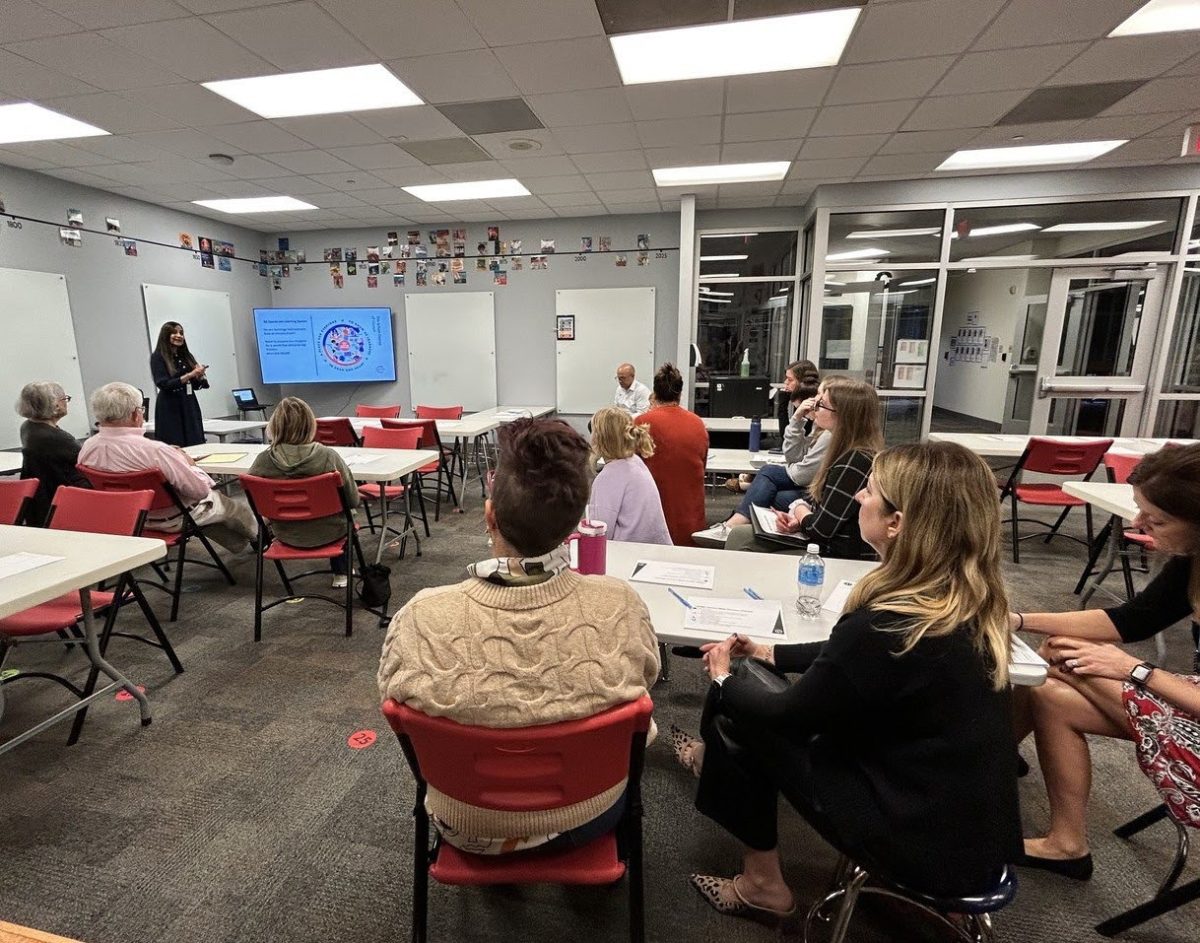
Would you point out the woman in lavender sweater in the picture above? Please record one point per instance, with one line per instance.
(624, 495)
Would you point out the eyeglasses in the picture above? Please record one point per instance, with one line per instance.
(66, 397)
(821, 404)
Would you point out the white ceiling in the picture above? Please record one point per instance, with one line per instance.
(919, 79)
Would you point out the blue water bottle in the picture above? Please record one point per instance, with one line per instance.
(755, 433)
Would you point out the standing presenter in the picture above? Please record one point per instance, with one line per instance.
(177, 376)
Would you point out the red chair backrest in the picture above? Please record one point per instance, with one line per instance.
(99, 512)
(15, 493)
(377, 412)
(375, 437)
(1120, 467)
(148, 479)
(295, 499)
(524, 768)
(1064, 457)
(337, 431)
(438, 412)
(430, 439)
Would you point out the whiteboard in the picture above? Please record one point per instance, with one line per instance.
(452, 349)
(612, 326)
(39, 344)
(208, 325)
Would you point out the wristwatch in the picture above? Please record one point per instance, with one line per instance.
(720, 680)
(1140, 674)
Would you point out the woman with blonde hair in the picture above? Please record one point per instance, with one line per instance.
(895, 742)
(624, 494)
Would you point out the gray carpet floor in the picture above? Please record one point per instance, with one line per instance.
(241, 814)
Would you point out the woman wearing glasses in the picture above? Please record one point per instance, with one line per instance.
(48, 453)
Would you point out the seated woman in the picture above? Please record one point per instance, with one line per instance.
(849, 411)
(1096, 688)
(294, 454)
(517, 643)
(895, 742)
(624, 495)
(801, 386)
(48, 453)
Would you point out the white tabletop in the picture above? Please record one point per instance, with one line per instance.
(739, 460)
(468, 427)
(722, 424)
(509, 413)
(772, 576)
(10, 462)
(998, 445)
(223, 427)
(1115, 499)
(381, 464)
(87, 559)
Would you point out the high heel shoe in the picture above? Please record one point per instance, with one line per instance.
(686, 748)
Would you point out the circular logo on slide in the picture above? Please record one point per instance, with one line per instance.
(346, 345)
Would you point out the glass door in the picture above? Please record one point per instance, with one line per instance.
(1096, 351)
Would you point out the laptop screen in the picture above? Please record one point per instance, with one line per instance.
(244, 396)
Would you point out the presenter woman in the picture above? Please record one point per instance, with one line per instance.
(177, 376)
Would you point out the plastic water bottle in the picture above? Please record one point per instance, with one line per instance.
(745, 364)
(755, 434)
(810, 579)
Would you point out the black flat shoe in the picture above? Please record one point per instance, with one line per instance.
(1077, 869)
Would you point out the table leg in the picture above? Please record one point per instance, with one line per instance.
(383, 518)
(1114, 548)
(460, 449)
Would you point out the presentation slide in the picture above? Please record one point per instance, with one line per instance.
(325, 345)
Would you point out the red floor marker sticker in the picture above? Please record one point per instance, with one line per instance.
(360, 739)
(124, 695)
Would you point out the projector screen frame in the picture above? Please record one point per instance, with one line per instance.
(350, 312)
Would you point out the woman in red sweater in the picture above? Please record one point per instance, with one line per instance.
(680, 454)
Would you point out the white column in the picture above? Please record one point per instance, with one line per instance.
(685, 324)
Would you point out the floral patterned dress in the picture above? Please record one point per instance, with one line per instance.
(1168, 750)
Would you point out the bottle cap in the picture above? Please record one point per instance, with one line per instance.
(593, 528)
(814, 548)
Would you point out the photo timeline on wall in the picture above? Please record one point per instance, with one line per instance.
(325, 345)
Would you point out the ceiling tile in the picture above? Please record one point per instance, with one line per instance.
(1050, 132)
(695, 155)
(96, 61)
(330, 130)
(409, 176)
(1157, 94)
(509, 24)
(763, 189)
(1068, 102)
(1008, 69)
(917, 29)
(386, 196)
(1031, 22)
(924, 142)
(759, 151)
(904, 164)
(854, 145)
(22, 78)
(860, 119)
(243, 189)
(299, 36)
(961, 111)
(185, 142)
(93, 15)
(250, 167)
(188, 104)
(606, 162)
(583, 198)
(374, 156)
(744, 202)
(491, 117)
(394, 31)
(119, 148)
(676, 99)
(1188, 67)
(58, 154)
(569, 212)
(628, 195)
(456, 150)
(840, 168)
(1146, 150)
(295, 184)
(190, 48)
(1129, 57)
(23, 20)
(539, 167)
(474, 170)
(561, 66)
(111, 112)
(583, 107)
(351, 182)
(418, 123)
(13, 159)
(258, 137)
(886, 81)
(333, 201)
(567, 183)
(672, 132)
(779, 91)
(620, 180)
(598, 137)
(769, 125)
(469, 75)
(310, 162)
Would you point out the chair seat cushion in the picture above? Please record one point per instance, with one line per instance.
(371, 490)
(1047, 494)
(60, 613)
(281, 551)
(986, 902)
(594, 863)
(170, 538)
(430, 469)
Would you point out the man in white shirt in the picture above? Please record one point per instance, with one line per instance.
(631, 396)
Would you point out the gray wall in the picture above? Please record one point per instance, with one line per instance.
(104, 284)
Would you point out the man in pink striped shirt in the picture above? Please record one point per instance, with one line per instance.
(122, 446)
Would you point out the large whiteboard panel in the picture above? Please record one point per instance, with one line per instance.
(208, 325)
(452, 349)
(612, 326)
(39, 344)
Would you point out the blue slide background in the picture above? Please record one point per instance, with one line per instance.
(325, 345)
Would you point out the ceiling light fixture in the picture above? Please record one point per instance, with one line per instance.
(322, 92)
(717, 301)
(720, 275)
(712, 291)
(721, 173)
(471, 190)
(1028, 155)
(1161, 16)
(727, 235)
(744, 47)
(23, 122)
(919, 281)
(1000, 258)
(999, 230)
(1104, 227)
(723, 258)
(894, 233)
(257, 204)
(856, 254)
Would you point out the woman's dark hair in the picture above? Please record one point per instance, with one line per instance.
(169, 353)
(542, 484)
(806, 372)
(1170, 480)
(668, 384)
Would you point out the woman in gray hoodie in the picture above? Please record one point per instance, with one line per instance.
(294, 454)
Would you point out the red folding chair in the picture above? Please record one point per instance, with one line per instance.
(336, 431)
(299, 499)
(367, 411)
(92, 512)
(438, 412)
(380, 438)
(431, 440)
(16, 496)
(1061, 457)
(165, 498)
(521, 770)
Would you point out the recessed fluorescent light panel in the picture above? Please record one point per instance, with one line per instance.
(323, 92)
(919, 281)
(723, 258)
(1104, 227)
(471, 190)
(999, 230)
(894, 233)
(1000, 258)
(1031, 155)
(721, 173)
(745, 47)
(720, 275)
(257, 204)
(711, 291)
(25, 121)
(727, 235)
(857, 254)
(716, 301)
(1161, 16)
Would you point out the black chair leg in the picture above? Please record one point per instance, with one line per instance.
(1094, 552)
(637, 902)
(420, 896)
(177, 592)
(258, 587)
(155, 626)
(1143, 821)
(1184, 894)
(1016, 540)
(1058, 523)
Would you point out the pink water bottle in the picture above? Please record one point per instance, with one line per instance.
(588, 545)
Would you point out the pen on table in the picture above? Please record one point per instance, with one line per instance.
(750, 592)
(680, 598)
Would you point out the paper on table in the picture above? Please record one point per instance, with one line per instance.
(1022, 654)
(221, 458)
(13, 563)
(673, 574)
(354, 460)
(837, 599)
(723, 617)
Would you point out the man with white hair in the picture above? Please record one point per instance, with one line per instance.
(121, 446)
(632, 395)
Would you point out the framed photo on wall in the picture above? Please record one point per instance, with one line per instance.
(566, 327)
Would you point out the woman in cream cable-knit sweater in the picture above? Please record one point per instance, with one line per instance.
(524, 640)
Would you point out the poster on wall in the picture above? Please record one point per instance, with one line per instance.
(566, 327)
(911, 350)
(908, 376)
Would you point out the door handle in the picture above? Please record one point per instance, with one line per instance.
(1047, 387)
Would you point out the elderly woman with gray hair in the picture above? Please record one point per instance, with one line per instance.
(48, 452)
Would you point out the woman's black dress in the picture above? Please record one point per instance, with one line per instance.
(177, 419)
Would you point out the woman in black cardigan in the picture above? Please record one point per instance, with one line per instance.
(895, 742)
(177, 376)
(48, 453)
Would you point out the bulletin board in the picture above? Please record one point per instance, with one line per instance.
(610, 326)
(39, 344)
(452, 349)
(207, 321)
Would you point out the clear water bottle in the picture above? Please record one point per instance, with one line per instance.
(810, 579)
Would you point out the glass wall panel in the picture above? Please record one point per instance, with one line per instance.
(909, 236)
(902, 419)
(1109, 229)
(1183, 369)
(1178, 419)
(1085, 417)
(748, 254)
